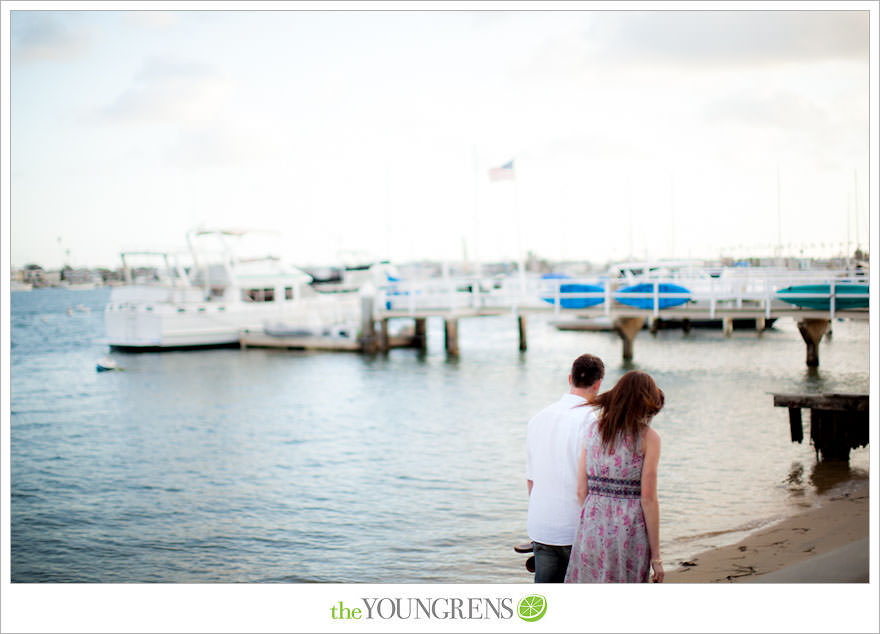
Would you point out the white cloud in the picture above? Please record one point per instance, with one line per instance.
(46, 36)
(779, 111)
(729, 38)
(169, 91)
(153, 19)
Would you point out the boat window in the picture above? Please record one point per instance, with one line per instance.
(258, 295)
(288, 292)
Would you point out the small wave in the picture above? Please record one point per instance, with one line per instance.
(742, 528)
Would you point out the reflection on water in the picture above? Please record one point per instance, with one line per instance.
(824, 476)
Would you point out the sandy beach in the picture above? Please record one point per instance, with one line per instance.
(825, 544)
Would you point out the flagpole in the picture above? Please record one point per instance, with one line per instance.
(477, 266)
(519, 245)
(504, 173)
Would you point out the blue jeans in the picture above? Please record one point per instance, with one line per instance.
(551, 562)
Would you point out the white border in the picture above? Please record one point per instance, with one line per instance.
(288, 608)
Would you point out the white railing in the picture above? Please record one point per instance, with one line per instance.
(515, 293)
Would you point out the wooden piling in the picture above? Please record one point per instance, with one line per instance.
(368, 325)
(627, 328)
(760, 324)
(384, 342)
(838, 422)
(420, 333)
(523, 344)
(451, 336)
(727, 326)
(811, 331)
(795, 424)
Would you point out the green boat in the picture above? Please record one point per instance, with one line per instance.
(846, 296)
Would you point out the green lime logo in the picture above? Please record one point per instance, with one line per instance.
(532, 608)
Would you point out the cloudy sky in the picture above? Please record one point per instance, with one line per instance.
(633, 133)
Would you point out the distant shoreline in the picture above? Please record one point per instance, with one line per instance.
(831, 531)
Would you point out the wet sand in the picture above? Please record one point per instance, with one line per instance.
(825, 544)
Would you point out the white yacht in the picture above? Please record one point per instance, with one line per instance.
(209, 300)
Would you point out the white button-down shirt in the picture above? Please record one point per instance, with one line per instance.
(554, 442)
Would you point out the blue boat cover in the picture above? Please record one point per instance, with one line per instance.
(847, 296)
(573, 302)
(647, 303)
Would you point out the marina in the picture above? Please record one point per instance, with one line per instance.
(221, 299)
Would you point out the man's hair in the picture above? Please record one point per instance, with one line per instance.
(586, 370)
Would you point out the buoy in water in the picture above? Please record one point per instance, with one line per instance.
(106, 364)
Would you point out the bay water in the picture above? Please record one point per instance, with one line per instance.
(276, 466)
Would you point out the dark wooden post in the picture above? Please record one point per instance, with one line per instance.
(523, 344)
(368, 326)
(811, 331)
(627, 328)
(796, 424)
(384, 340)
(838, 422)
(420, 335)
(451, 336)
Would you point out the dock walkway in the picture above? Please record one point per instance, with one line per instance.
(756, 297)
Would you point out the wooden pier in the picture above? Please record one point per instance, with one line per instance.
(759, 303)
(838, 422)
(454, 299)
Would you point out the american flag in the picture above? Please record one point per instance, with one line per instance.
(503, 173)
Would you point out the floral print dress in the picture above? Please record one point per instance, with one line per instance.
(611, 542)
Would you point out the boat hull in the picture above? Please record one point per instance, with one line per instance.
(149, 326)
(576, 302)
(647, 303)
(847, 296)
(737, 323)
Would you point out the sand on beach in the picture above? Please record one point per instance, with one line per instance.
(834, 536)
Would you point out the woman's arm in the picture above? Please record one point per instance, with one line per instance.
(582, 477)
(650, 504)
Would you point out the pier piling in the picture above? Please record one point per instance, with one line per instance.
(523, 344)
(627, 328)
(368, 325)
(838, 422)
(760, 325)
(384, 340)
(451, 336)
(420, 333)
(727, 326)
(812, 330)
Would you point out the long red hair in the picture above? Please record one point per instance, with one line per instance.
(627, 407)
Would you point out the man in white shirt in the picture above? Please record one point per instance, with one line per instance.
(553, 444)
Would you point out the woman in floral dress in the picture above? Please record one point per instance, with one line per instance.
(618, 538)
